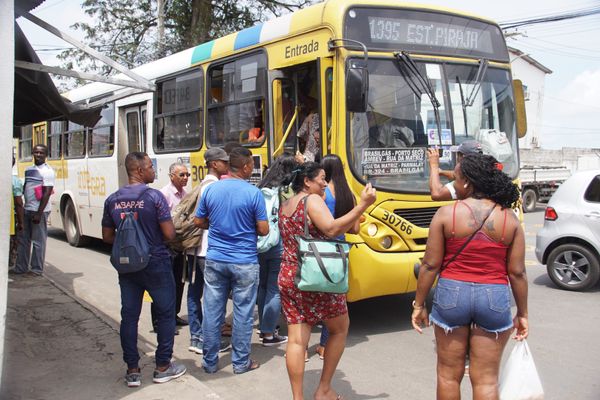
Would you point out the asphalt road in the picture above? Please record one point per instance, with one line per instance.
(384, 358)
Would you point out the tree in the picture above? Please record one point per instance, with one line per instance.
(128, 30)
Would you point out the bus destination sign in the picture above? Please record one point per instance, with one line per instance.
(425, 32)
(402, 31)
(385, 162)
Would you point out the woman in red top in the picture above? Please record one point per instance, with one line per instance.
(304, 309)
(471, 305)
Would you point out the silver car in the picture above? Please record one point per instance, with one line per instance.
(569, 242)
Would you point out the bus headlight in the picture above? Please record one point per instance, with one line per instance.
(386, 242)
(372, 230)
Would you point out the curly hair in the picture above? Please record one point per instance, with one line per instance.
(308, 170)
(488, 180)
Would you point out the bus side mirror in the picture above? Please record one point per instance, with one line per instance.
(520, 108)
(357, 88)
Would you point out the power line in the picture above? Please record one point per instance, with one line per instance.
(550, 18)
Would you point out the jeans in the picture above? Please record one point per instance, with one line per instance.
(459, 303)
(157, 279)
(219, 279)
(36, 235)
(324, 335)
(269, 303)
(194, 296)
(177, 268)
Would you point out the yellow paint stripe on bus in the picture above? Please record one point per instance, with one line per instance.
(223, 45)
(300, 18)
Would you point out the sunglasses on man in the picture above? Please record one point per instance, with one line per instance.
(183, 174)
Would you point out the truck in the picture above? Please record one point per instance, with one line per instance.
(539, 183)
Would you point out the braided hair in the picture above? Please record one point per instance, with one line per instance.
(488, 180)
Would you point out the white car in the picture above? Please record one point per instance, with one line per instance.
(569, 242)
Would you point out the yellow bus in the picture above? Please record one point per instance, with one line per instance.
(387, 79)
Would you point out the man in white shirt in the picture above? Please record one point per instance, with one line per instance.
(217, 164)
(174, 192)
(39, 182)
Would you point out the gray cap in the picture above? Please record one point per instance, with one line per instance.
(468, 147)
(215, 153)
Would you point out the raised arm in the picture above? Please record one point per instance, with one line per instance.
(439, 192)
(324, 221)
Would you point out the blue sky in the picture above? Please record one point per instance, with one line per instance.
(571, 49)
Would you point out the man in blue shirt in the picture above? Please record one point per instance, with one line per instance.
(154, 218)
(235, 212)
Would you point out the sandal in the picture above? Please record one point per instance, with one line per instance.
(320, 351)
(252, 365)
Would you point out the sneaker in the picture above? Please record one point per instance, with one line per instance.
(224, 346)
(274, 341)
(173, 372)
(195, 346)
(133, 379)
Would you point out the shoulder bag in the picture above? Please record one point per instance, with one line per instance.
(322, 263)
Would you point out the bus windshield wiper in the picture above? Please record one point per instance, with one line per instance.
(407, 63)
(464, 105)
(483, 65)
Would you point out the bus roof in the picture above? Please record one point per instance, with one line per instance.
(329, 12)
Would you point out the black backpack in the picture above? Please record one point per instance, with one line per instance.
(130, 251)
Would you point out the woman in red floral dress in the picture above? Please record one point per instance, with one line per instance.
(304, 309)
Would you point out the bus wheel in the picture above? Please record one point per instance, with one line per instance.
(529, 200)
(71, 227)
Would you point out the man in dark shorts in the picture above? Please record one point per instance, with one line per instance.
(154, 218)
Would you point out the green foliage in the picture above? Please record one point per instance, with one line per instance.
(128, 31)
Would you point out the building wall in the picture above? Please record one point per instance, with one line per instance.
(534, 79)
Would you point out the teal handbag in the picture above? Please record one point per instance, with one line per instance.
(322, 263)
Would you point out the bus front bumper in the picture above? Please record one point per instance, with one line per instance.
(374, 274)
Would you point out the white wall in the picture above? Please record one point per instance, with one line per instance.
(7, 78)
(534, 79)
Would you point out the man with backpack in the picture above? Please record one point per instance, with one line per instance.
(235, 212)
(150, 224)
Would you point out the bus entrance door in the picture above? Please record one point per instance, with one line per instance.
(133, 135)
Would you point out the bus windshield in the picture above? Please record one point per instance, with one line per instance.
(387, 143)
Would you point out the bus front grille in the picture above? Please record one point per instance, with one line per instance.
(420, 217)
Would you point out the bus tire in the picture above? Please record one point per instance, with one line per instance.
(71, 227)
(529, 200)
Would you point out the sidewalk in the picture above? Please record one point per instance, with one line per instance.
(58, 349)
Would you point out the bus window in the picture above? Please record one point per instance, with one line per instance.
(75, 141)
(39, 134)
(284, 106)
(101, 138)
(133, 131)
(236, 101)
(25, 143)
(178, 118)
(54, 140)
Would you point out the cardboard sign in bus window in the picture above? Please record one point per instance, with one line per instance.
(386, 162)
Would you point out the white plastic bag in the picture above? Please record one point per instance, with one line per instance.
(519, 379)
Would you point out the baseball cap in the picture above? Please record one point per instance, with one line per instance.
(468, 147)
(215, 153)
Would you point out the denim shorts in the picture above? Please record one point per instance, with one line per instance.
(458, 303)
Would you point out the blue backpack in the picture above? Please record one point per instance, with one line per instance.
(130, 251)
(266, 243)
